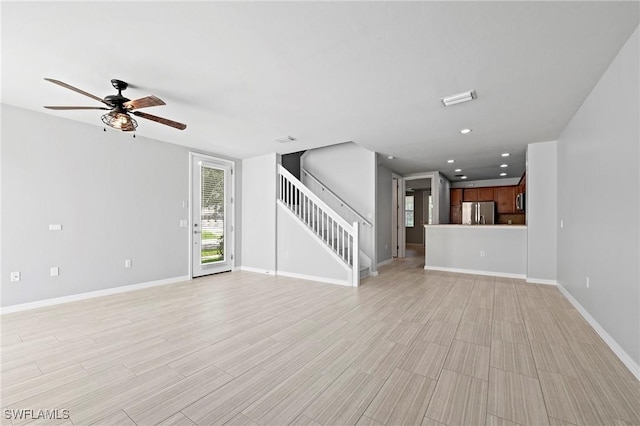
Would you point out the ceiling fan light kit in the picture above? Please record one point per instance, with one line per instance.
(121, 121)
(120, 107)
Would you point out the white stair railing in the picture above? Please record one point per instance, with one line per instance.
(340, 236)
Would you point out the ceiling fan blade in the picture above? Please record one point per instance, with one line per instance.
(75, 89)
(160, 120)
(146, 102)
(75, 107)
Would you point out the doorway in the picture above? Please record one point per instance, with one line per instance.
(212, 215)
(420, 208)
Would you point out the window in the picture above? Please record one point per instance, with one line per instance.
(409, 216)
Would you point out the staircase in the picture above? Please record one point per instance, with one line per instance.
(339, 236)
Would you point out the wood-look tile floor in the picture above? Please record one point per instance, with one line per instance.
(407, 347)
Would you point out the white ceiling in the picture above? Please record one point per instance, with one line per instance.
(241, 74)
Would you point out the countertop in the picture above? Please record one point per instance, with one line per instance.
(477, 226)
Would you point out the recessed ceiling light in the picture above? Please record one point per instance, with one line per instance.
(505, 154)
(451, 161)
(285, 139)
(465, 131)
(504, 165)
(391, 157)
(457, 170)
(459, 98)
(503, 174)
(463, 177)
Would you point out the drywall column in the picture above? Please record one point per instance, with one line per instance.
(541, 206)
(599, 204)
(259, 178)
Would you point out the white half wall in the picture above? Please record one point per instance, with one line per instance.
(542, 211)
(482, 249)
(259, 183)
(599, 202)
(301, 254)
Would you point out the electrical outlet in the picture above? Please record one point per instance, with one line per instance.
(15, 276)
(183, 223)
(55, 271)
(561, 223)
(587, 282)
(481, 253)
(127, 263)
(55, 227)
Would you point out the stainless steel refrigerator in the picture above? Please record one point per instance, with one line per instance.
(478, 213)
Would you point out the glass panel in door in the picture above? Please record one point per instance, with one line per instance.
(211, 219)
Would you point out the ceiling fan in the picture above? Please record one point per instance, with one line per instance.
(119, 107)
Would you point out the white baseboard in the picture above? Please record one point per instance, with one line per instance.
(313, 278)
(91, 294)
(385, 262)
(615, 347)
(475, 272)
(258, 270)
(541, 281)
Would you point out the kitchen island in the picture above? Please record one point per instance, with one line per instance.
(499, 250)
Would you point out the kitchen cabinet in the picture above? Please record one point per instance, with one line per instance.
(505, 197)
(478, 194)
(485, 194)
(455, 214)
(470, 194)
(456, 197)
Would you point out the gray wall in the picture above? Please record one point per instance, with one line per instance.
(542, 211)
(116, 197)
(383, 213)
(259, 178)
(599, 201)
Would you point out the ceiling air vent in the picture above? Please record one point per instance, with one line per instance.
(459, 98)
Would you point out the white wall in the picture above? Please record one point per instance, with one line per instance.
(541, 206)
(259, 178)
(301, 253)
(599, 201)
(116, 198)
(350, 172)
(384, 203)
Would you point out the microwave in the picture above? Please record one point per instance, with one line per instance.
(520, 201)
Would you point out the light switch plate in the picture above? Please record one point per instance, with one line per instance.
(55, 271)
(15, 276)
(55, 227)
(127, 263)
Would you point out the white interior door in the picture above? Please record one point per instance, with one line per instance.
(211, 216)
